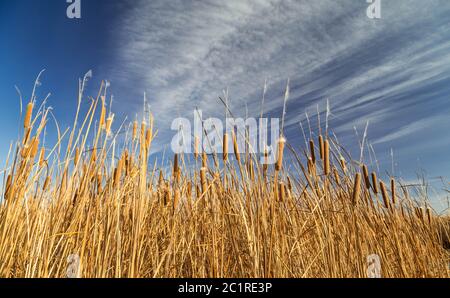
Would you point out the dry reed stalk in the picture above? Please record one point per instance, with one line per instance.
(108, 124)
(134, 132)
(99, 182)
(196, 144)
(102, 123)
(41, 157)
(8, 186)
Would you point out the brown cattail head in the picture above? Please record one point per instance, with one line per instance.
(266, 161)
(281, 144)
(235, 147)
(142, 135)
(46, 183)
(118, 172)
(160, 179)
(34, 147)
(99, 182)
(343, 164)
(94, 155)
(8, 186)
(384, 195)
(393, 192)
(204, 160)
(28, 113)
(282, 192)
(76, 159)
(148, 138)
(225, 147)
(366, 176)
(374, 183)
(429, 215)
(203, 179)
(189, 189)
(326, 160)
(176, 198)
(356, 188)
(312, 151)
(176, 169)
(321, 147)
(311, 167)
(336, 176)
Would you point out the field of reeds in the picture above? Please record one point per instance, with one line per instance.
(91, 206)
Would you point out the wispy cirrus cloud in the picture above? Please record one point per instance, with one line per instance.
(393, 72)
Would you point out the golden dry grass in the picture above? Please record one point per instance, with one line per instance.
(125, 217)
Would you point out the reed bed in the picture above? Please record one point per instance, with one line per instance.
(94, 197)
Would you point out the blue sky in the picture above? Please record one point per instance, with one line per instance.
(393, 72)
